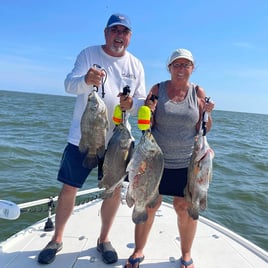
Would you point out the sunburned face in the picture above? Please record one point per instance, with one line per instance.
(181, 69)
(117, 40)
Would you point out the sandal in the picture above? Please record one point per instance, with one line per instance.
(108, 252)
(48, 254)
(132, 261)
(186, 263)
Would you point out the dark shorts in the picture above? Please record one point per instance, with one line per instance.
(72, 172)
(173, 182)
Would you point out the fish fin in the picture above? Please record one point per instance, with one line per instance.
(130, 153)
(187, 194)
(82, 147)
(203, 203)
(193, 212)
(153, 202)
(140, 216)
(101, 152)
(90, 162)
(129, 200)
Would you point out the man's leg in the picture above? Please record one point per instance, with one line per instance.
(64, 209)
(108, 211)
(109, 208)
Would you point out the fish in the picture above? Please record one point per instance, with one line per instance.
(145, 171)
(199, 176)
(118, 154)
(94, 126)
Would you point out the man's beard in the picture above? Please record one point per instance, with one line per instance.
(117, 50)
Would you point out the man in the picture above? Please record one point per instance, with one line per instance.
(121, 69)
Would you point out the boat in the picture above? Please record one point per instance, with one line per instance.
(214, 245)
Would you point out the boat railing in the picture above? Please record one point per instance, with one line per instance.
(93, 193)
(54, 199)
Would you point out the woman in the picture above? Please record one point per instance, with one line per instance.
(177, 114)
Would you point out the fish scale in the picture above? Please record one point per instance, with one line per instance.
(199, 176)
(119, 151)
(94, 126)
(145, 170)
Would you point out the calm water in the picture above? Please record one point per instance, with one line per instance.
(33, 132)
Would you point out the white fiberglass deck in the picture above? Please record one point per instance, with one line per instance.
(213, 246)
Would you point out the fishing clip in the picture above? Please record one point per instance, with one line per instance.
(205, 118)
(103, 79)
(126, 91)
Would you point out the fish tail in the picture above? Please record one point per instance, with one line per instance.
(139, 216)
(100, 184)
(193, 212)
(107, 194)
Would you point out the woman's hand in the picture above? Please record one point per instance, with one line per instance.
(209, 106)
(151, 101)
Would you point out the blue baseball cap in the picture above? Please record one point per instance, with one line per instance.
(119, 19)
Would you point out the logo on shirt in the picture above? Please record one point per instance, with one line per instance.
(128, 75)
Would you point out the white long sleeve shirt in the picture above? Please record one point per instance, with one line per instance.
(121, 71)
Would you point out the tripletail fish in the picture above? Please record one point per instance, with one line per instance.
(94, 126)
(118, 154)
(199, 176)
(144, 173)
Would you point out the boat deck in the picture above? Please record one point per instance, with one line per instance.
(213, 245)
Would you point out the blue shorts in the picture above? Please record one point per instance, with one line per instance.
(72, 172)
(173, 182)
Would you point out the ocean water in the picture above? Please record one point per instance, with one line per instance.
(33, 134)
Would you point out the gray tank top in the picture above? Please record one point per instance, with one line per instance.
(175, 126)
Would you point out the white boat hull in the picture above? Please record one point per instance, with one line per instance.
(214, 246)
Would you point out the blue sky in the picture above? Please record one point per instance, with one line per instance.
(39, 42)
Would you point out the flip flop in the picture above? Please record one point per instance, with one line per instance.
(132, 261)
(186, 263)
